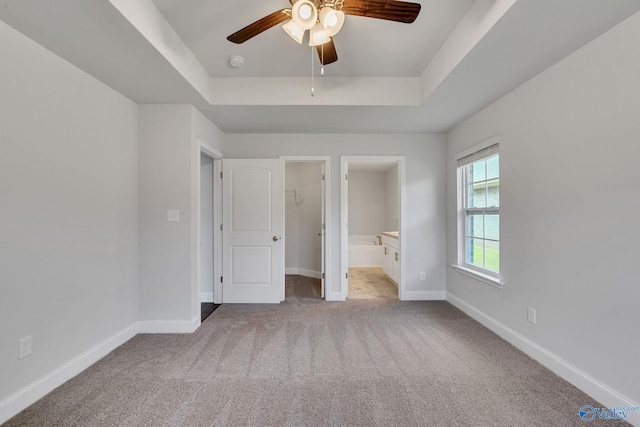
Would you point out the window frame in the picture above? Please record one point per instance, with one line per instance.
(465, 160)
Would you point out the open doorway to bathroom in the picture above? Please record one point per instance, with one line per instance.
(372, 216)
(304, 230)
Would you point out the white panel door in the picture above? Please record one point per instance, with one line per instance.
(253, 217)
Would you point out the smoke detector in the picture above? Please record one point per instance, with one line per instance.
(236, 61)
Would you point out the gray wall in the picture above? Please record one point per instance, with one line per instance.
(425, 204)
(68, 216)
(392, 207)
(367, 202)
(303, 220)
(165, 183)
(569, 205)
(168, 159)
(292, 217)
(310, 217)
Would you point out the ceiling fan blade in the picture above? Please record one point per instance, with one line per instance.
(259, 26)
(391, 10)
(327, 52)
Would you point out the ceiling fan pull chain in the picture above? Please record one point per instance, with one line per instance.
(313, 90)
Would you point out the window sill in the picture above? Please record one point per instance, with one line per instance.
(484, 278)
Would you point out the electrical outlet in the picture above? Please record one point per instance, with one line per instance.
(423, 276)
(24, 347)
(531, 315)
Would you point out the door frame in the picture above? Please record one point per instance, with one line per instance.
(344, 217)
(209, 151)
(326, 162)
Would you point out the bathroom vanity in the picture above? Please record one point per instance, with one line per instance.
(391, 260)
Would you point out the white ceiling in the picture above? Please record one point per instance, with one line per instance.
(365, 46)
(459, 56)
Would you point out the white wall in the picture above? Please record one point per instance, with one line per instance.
(425, 240)
(169, 155)
(392, 200)
(206, 229)
(569, 153)
(367, 202)
(68, 216)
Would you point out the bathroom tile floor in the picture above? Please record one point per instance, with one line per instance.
(370, 283)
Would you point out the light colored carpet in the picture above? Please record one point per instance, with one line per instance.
(370, 283)
(307, 362)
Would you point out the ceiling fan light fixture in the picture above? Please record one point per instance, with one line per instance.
(304, 14)
(318, 35)
(294, 31)
(331, 20)
(305, 11)
(328, 17)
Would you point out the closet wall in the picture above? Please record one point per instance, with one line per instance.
(303, 218)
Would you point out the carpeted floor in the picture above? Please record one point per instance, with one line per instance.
(307, 362)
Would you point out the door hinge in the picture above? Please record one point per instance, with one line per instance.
(346, 275)
(322, 276)
(323, 177)
(220, 227)
(220, 279)
(220, 175)
(346, 177)
(322, 226)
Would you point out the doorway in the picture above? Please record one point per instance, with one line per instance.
(206, 229)
(306, 228)
(252, 230)
(208, 239)
(372, 227)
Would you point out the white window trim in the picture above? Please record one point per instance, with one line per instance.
(482, 275)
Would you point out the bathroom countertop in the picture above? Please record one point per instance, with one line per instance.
(393, 234)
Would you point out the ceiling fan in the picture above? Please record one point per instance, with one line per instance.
(324, 19)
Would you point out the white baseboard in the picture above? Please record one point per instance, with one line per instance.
(303, 272)
(309, 273)
(206, 297)
(424, 296)
(585, 382)
(169, 327)
(20, 400)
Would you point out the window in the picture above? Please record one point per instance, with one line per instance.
(479, 209)
(482, 214)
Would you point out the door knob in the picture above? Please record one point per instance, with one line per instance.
(276, 238)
